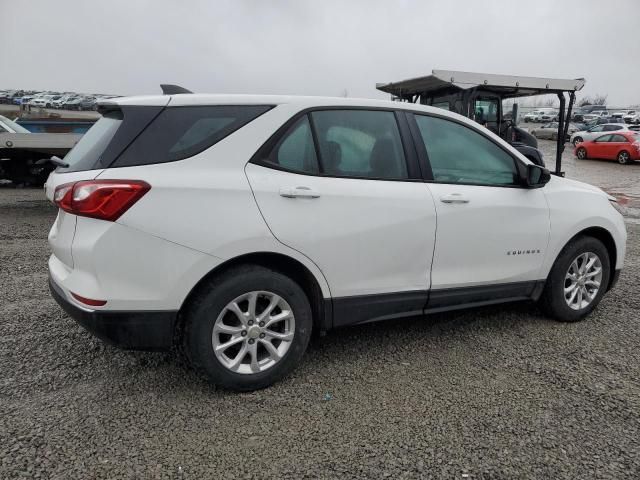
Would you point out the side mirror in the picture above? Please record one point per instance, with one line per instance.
(537, 176)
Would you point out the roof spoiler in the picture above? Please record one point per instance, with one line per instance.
(168, 89)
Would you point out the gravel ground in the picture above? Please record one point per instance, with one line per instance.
(494, 393)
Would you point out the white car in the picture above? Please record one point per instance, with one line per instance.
(596, 131)
(235, 226)
(41, 102)
(632, 118)
(533, 116)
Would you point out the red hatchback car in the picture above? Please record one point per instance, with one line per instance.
(621, 146)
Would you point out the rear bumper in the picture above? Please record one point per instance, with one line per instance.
(135, 330)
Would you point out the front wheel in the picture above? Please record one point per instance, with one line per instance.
(577, 281)
(624, 158)
(581, 153)
(248, 328)
(577, 140)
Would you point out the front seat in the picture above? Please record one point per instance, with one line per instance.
(381, 162)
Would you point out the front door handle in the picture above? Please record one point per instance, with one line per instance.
(454, 198)
(298, 192)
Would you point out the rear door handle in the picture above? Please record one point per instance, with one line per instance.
(298, 192)
(454, 198)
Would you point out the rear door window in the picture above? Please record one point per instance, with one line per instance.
(618, 139)
(360, 143)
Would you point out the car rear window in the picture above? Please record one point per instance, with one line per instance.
(85, 155)
(181, 132)
(142, 135)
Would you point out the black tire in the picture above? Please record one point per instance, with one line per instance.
(552, 300)
(581, 153)
(214, 296)
(577, 140)
(624, 158)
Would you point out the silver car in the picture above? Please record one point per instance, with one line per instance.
(597, 130)
(550, 131)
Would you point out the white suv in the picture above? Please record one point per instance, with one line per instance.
(234, 226)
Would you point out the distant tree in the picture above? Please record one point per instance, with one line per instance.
(548, 102)
(585, 101)
(596, 100)
(600, 99)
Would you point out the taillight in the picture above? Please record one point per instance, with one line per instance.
(102, 199)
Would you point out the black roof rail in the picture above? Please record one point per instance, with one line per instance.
(168, 89)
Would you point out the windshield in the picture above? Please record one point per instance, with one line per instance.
(13, 125)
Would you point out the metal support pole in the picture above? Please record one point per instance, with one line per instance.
(561, 137)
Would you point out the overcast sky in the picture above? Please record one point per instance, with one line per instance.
(319, 47)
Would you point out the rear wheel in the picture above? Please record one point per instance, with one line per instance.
(581, 153)
(577, 140)
(248, 328)
(624, 158)
(577, 281)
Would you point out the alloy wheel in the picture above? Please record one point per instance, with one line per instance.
(576, 141)
(582, 280)
(623, 158)
(581, 153)
(253, 332)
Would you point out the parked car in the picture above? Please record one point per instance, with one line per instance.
(60, 102)
(87, 103)
(623, 147)
(550, 131)
(632, 117)
(74, 103)
(596, 131)
(592, 108)
(44, 101)
(532, 116)
(22, 100)
(549, 116)
(237, 225)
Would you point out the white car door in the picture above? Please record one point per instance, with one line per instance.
(492, 233)
(341, 187)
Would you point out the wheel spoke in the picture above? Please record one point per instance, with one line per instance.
(285, 337)
(233, 307)
(273, 351)
(223, 346)
(590, 263)
(251, 311)
(579, 300)
(593, 272)
(594, 283)
(267, 311)
(284, 315)
(570, 288)
(253, 351)
(573, 296)
(574, 267)
(223, 328)
(237, 361)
